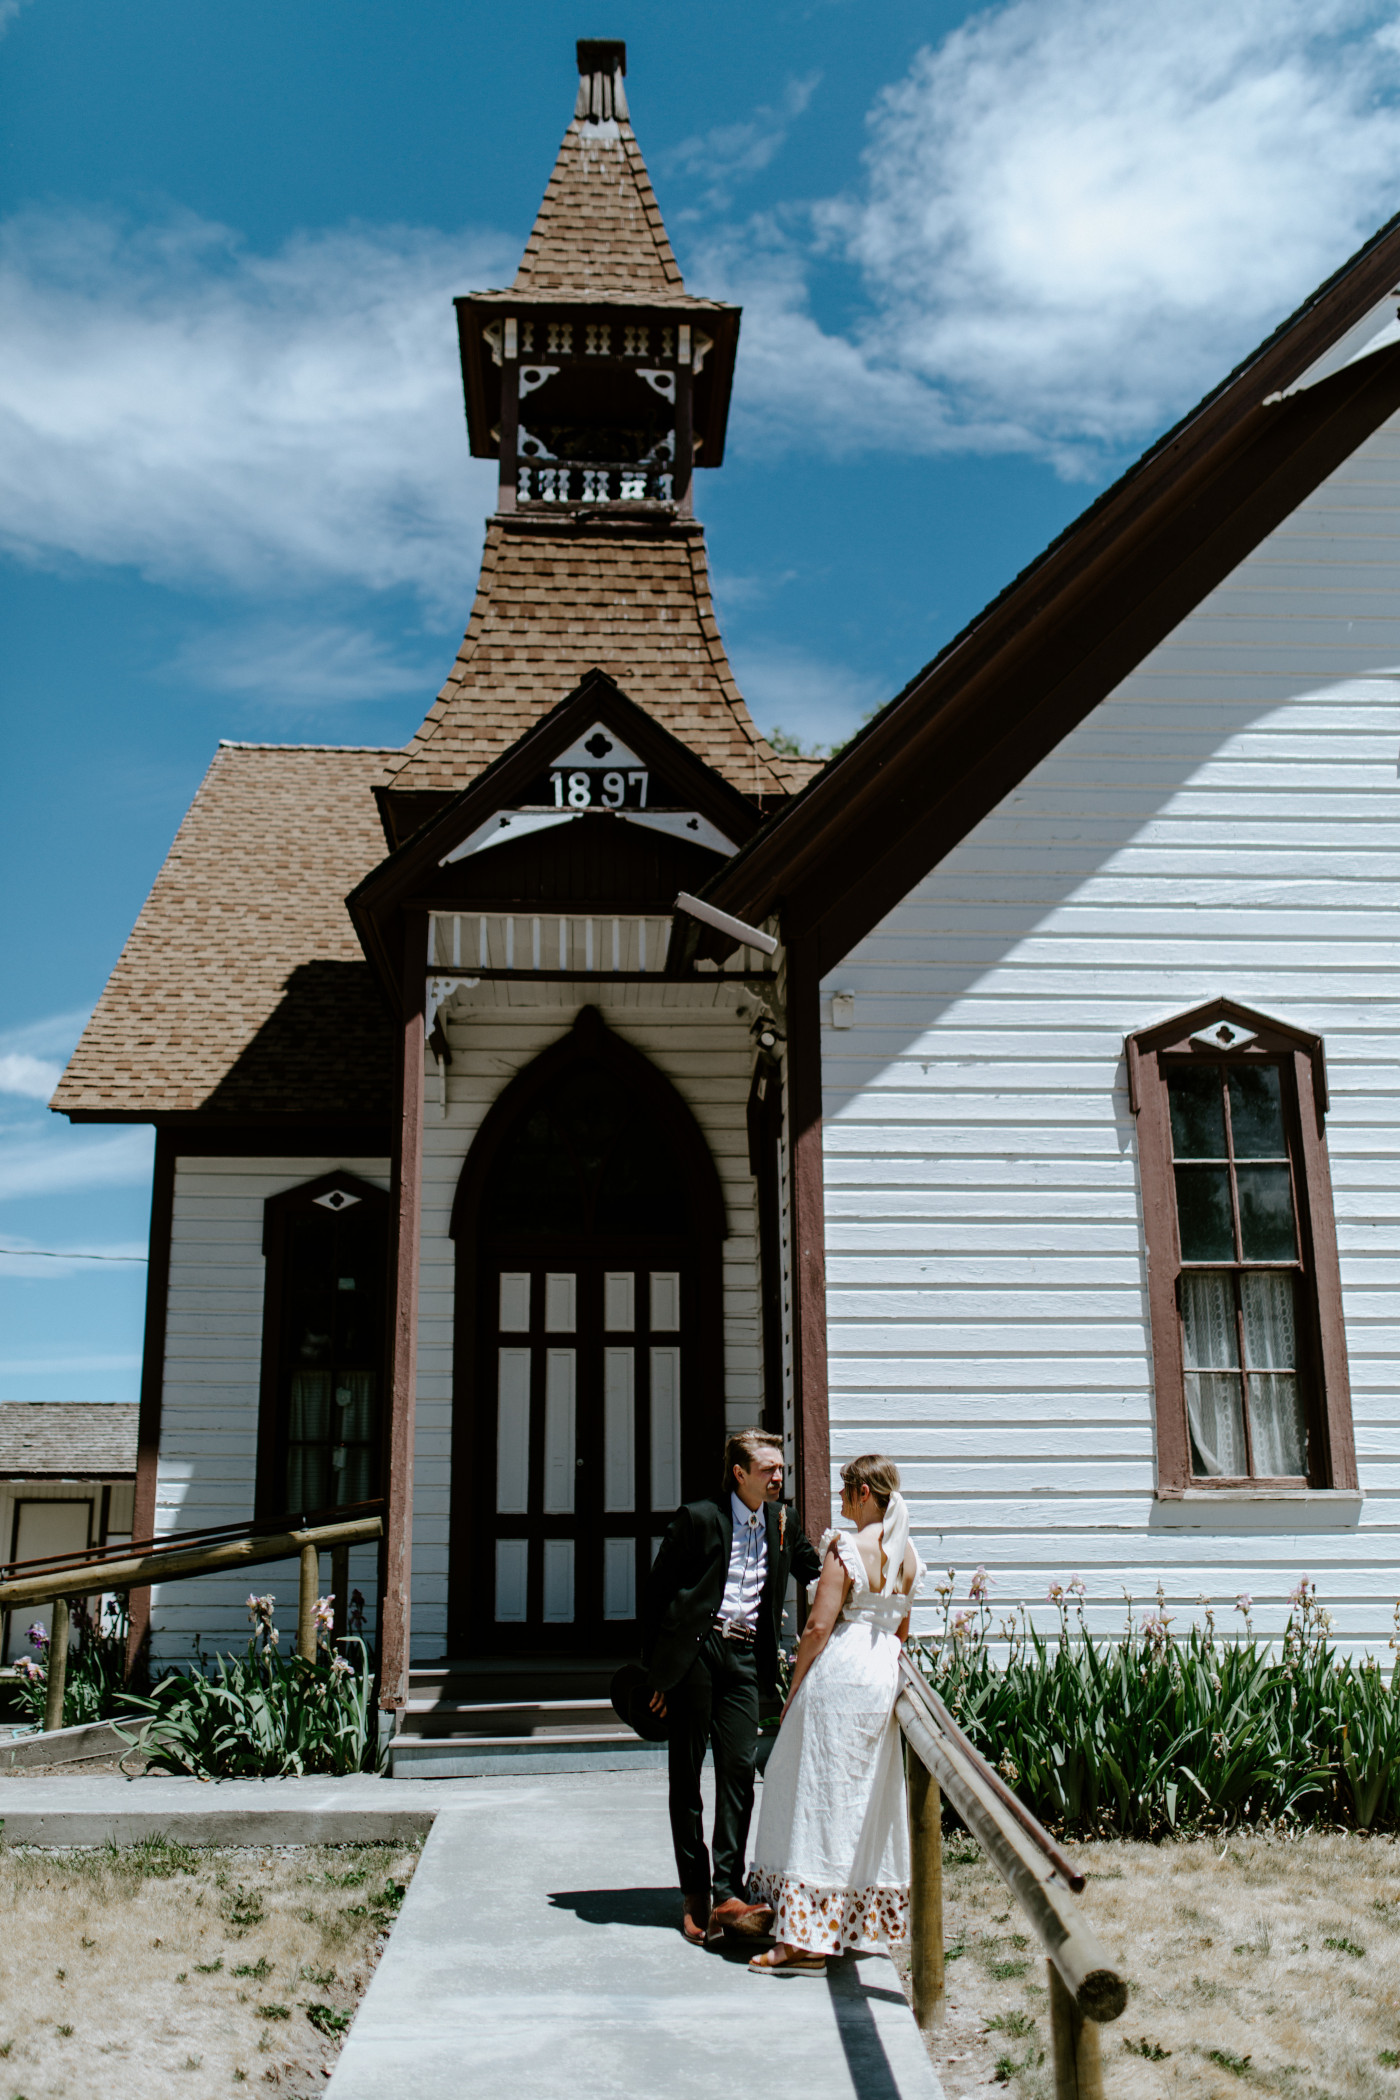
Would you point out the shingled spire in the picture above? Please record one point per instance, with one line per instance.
(599, 383)
(598, 232)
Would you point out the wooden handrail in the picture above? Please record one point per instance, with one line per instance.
(84, 1578)
(203, 1535)
(90, 1579)
(1086, 1988)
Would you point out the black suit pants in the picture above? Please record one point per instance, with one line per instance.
(716, 1702)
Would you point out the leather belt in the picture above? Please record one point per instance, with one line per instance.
(735, 1630)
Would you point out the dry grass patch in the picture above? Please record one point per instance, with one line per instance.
(1257, 1964)
(180, 1971)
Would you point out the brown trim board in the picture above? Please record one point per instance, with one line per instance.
(811, 1419)
(143, 1519)
(406, 1197)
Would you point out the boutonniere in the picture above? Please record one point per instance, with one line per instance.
(782, 1525)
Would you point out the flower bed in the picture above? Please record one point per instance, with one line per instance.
(1151, 1732)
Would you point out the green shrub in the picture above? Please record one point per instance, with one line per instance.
(1153, 1732)
(94, 1688)
(263, 1715)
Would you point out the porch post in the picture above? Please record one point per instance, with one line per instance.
(403, 1381)
(809, 1239)
(143, 1516)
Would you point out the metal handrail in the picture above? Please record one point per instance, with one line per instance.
(1086, 1988)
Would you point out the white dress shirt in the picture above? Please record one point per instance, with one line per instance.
(748, 1564)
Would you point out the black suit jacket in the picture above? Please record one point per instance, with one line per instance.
(687, 1587)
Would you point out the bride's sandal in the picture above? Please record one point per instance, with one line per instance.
(786, 1961)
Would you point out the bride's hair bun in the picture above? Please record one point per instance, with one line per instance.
(880, 1475)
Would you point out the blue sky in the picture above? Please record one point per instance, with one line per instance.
(985, 254)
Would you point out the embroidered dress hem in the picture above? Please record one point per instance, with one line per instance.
(832, 1920)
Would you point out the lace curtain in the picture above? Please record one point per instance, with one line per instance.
(1215, 1389)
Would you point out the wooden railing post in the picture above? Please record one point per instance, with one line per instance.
(340, 1589)
(58, 1665)
(925, 1894)
(306, 1602)
(1074, 2045)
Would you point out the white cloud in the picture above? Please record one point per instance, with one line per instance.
(170, 400)
(1077, 215)
(729, 154)
(53, 1035)
(64, 1159)
(320, 664)
(808, 696)
(20, 1073)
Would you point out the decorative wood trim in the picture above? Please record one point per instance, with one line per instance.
(1332, 1448)
(589, 1040)
(1319, 1223)
(804, 1073)
(405, 1230)
(765, 1128)
(143, 1518)
(270, 1498)
(376, 902)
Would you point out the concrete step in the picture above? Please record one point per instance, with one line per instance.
(518, 1717)
(476, 1756)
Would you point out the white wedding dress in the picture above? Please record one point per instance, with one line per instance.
(832, 1851)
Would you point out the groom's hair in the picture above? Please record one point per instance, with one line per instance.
(743, 1448)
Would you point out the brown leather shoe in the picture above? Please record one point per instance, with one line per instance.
(695, 1917)
(752, 1921)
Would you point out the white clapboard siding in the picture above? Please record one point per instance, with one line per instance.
(1227, 822)
(213, 1368)
(698, 1041)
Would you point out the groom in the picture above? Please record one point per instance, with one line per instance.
(710, 1624)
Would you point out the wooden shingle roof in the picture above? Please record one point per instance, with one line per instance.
(598, 233)
(559, 598)
(67, 1439)
(242, 989)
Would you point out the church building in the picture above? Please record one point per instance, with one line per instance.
(1013, 1093)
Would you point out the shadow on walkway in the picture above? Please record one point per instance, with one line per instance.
(872, 2073)
(656, 1908)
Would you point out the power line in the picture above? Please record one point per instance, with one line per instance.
(58, 1254)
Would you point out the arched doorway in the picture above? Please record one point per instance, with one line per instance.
(589, 1375)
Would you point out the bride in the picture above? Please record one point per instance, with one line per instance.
(832, 1853)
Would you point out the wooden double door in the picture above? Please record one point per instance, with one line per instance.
(589, 1358)
(588, 1355)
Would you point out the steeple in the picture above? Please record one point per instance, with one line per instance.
(596, 378)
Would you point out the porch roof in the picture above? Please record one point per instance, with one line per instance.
(67, 1439)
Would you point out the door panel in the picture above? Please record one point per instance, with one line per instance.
(583, 1438)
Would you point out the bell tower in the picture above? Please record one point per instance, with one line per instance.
(596, 379)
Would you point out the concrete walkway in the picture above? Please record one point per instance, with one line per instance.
(537, 1958)
(105, 1809)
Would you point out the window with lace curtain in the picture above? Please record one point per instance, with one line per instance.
(323, 1346)
(1248, 1346)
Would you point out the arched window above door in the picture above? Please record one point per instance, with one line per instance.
(592, 1157)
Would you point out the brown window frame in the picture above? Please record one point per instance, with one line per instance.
(1235, 1034)
(270, 1494)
